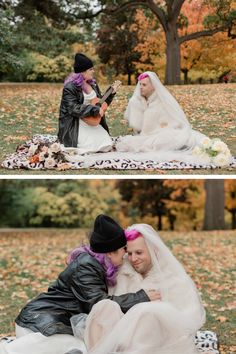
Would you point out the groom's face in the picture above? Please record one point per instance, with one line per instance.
(139, 256)
(146, 87)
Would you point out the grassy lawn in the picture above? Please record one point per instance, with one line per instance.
(28, 109)
(31, 259)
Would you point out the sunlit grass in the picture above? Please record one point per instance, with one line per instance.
(31, 260)
(28, 109)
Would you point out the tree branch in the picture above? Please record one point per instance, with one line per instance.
(124, 6)
(158, 12)
(176, 7)
(111, 10)
(85, 15)
(206, 33)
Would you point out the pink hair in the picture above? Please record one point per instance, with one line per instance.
(131, 235)
(142, 76)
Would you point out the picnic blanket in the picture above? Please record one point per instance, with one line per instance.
(44, 152)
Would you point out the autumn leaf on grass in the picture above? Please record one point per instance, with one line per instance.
(63, 166)
(50, 129)
(221, 319)
(231, 305)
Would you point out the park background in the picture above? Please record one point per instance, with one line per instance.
(42, 220)
(190, 44)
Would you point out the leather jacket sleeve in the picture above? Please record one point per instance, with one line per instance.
(89, 286)
(76, 108)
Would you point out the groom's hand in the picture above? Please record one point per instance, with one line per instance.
(153, 295)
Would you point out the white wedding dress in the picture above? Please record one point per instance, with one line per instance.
(92, 138)
(164, 131)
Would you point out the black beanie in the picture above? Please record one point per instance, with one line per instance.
(107, 235)
(82, 63)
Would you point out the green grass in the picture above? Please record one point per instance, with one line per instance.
(28, 109)
(30, 260)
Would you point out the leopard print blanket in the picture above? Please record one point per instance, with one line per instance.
(33, 155)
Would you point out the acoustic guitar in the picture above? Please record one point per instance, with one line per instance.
(93, 121)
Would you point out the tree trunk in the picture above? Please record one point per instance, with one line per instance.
(185, 71)
(129, 78)
(172, 219)
(172, 74)
(214, 205)
(159, 224)
(233, 212)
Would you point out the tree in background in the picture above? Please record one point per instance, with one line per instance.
(202, 57)
(50, 203)
(42, 43)
(186, 202)
(221, 18)
(116, 44)
(151, 43)
(147, 198)
(165, 204)
(53, 27)
(9, 59)
(169, 14)
(230, 200)
(214, 205)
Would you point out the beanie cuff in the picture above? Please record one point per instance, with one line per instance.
(108, 245)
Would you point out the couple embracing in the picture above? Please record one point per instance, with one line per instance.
(161, 130)
(133, 293)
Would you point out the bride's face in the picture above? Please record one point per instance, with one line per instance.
(146, 87)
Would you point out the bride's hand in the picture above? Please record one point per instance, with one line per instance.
(101, 112)
(116, 85)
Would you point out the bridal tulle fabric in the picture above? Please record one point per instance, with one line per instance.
(164, 131)
(158, 327)
(160, 121)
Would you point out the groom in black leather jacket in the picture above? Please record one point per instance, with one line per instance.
(72, 108)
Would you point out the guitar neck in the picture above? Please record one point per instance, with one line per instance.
(104, 97)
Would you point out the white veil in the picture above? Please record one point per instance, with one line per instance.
(136, 105)
(164, 131)
(159, 327)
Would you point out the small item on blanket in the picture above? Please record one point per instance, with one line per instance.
(71, 154)
(213, 151)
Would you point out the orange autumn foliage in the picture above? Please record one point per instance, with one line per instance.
(201, 57)
(151, 44)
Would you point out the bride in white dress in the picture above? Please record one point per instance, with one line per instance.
(161, 126)
(92, 138)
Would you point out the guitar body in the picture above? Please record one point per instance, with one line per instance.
(93, 121)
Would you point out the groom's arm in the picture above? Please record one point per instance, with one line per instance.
(126, 301)
(89, 286)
